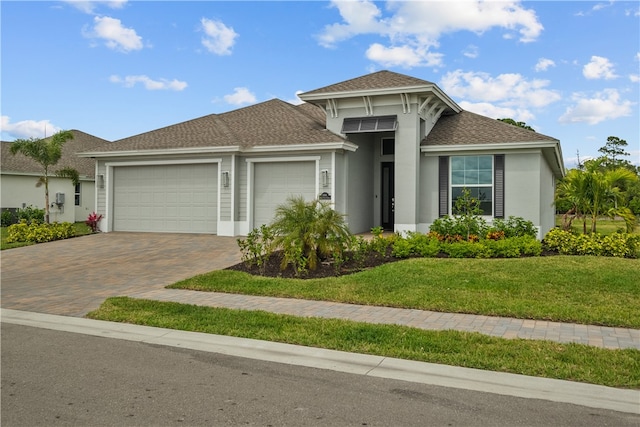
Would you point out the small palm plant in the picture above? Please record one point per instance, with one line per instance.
(309, 232)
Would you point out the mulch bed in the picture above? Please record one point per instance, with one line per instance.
(325, 268)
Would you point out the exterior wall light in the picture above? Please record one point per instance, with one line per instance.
(225, 179)
(325, 177)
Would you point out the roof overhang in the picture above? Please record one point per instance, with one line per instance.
(550, 149)
(232, 149)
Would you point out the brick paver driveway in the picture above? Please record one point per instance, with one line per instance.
(72, 277)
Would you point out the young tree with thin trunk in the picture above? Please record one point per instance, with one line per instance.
(46, 152)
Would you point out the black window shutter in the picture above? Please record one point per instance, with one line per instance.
(443, 185)
(498, 185)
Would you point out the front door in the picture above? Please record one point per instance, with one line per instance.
(387, 199)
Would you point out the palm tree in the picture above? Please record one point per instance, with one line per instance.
(308, 232)
(594, 191)
(47, 152)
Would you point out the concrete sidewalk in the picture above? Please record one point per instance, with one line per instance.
(588, 395)
(503, 327)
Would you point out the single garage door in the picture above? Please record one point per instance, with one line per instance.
(166, 198)
(275, 182)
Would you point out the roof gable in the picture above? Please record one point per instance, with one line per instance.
(379, 80)
(469, 128)
(81, 142)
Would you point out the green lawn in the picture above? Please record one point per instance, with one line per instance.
(604, 226)
(579, 289)
(615, 368)
(80, 227)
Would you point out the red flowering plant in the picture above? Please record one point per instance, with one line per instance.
(92, 221)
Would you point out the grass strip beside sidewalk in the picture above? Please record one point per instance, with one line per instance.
(576, 289)
(574, 362)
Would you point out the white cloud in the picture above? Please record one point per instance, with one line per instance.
(544, 64)
(635, 78)
(471, 51)
(219, 38)
(508, 90)
(149, 84)
(414, 28)
(403, 56)
(296, 100)
(240, 96)
(115, 36)
(599, 68)
(90, 6)
(27, 128)
(605, 105)
(497, 112)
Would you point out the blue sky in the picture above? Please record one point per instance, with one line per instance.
(115, 69)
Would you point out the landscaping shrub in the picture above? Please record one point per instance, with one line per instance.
(513, 247)
(93, 220)
(7, 218)
(621, 245)
(306, 232)
(257, 247)
(514, 227)
(31, 213)
(466, 249)
(37, 232)
(416, 244)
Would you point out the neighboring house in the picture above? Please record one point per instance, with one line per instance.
(19, 180)
(385, 149)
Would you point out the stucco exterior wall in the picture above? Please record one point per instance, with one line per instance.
(20, 190)
(87, 200)
(428, 198)
(359, 194)
(528, 189)
(522, 185)
(547, 195)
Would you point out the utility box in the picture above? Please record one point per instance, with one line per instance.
(59, 198)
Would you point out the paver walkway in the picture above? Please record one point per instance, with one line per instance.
(599, 336)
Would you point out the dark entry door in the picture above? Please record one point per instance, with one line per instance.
(388, 198)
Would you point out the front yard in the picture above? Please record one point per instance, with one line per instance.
(580, 289)
(80, 228)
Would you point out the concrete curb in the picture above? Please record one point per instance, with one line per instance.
(589, 395)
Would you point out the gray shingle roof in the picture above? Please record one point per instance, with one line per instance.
(273, 122)
(379, 80)
(470, 128)
(81, 142)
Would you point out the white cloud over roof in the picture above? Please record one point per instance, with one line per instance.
(148, 83)
(543, 64)
(240, 96)
(415, 27)
(90, 6)
(604, 105)
(599, 68)
(28, 128)
(219, 38)
(114, 34)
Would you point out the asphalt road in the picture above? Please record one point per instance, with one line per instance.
(60, 378)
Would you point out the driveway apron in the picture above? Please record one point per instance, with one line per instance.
(72, 277)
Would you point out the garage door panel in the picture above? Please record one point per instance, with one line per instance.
(165, 198)
(275, 182)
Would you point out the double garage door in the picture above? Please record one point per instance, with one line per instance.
(179, 198)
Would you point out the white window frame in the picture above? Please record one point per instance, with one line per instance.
(492, 185)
